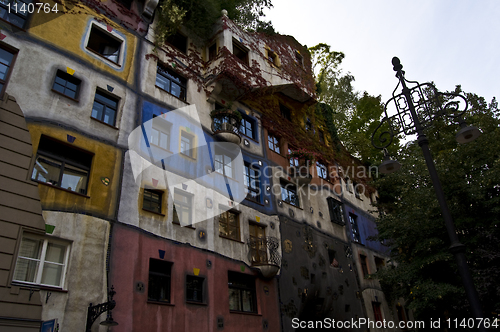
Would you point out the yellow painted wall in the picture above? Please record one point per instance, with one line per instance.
(106, 162)
(67, 31)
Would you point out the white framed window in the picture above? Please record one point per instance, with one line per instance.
(42, 261)
(223, 163)
(103, 43)
(186, 143)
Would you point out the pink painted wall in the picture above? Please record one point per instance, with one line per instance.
(129, 264)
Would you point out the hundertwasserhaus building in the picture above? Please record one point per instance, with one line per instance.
(94, 219)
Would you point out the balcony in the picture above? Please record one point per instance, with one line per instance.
(264, 255)
(301, 174)
(226, 124)
(301, 161)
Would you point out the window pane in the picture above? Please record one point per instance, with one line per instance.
(55, 253)
(47, 170)
(248, 301)
(234, 300)
(97, 110)
(154, 136)
(109, 116)
(164, 141)
(26, 270)
(6, 57)
(162, 82)
(74, 179)
(51, 274)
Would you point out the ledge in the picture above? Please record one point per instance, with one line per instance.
(245, 313)
(154, 212)
(39, 287)
(197, 303)
(104, 123)
(62, 94)
(168, 304)
(63, 189)
(228, 238)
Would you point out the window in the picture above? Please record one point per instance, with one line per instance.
(309, 125)
(377, 312)
(364, 265)
(354, 227)
(171, 82)
(17, 13)
(240, 52)
(152, 200)
(62, 166)
(348, 185)
(104, 44)
(252, 182)
(7, 58)
(247, 126)
(159, 280)
(229, 225)
(242, 294)
(258, 245)
(289, 193)
(285, 112)
(294, 162)
(321, 136)
(179, 41)
(104, 108)
(125, 3)
(335, 208)
(223, 163)
(322, 170)
(160, 133)
(356, 190)
(379, 263)
(194, 289)
(273, 143)
(298, 58)
(66, 84)
(272, 57)
(212, 51)
(182, 208)
(187, 144)
(41, 261)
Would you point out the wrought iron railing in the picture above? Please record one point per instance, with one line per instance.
(226, 122)
(264, 251)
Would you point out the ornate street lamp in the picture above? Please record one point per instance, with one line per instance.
(95, 311)
(417, 106)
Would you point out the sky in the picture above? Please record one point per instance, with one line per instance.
(449, 42)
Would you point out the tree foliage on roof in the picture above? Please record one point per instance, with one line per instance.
(426, 273)
(199, 16)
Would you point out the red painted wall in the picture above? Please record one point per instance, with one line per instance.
(129, 264)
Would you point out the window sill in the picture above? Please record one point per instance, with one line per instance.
(187, 157)
(104, 123)
(279, 154)
(154, 212)
(183, 100)
(228, 238)
(39, 287)
(250, 138)
(252, 201)
(179, 224)
(63, 189)
(197, 303)
(244, 313)
(159, 147)
(62, 94)
(295, 206)
(161, 303)
(103, 57)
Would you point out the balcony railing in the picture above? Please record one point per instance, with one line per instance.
(226, 124)
(264, 255)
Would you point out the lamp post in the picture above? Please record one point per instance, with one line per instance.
(417, 106)
(94, 311)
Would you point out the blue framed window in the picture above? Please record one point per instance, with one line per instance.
(171, 82)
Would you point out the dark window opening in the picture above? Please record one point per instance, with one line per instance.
(377, 312)
(242, 293)
(152, 200)
(272, 57)
(321, 137)
(212, 51)
(178, 41)
(171, 82)
(285, 112)
(66, 84)
(298, 58)
(105, 107)
(159, 280)
(364, 265)
(379, 263)
(62, 166)
(104, 44)
(182, 208)
(240, 52)
(335, 208)
(309, 125)
(331, 256)
(194, 289)
(125, 3)
(322, 170)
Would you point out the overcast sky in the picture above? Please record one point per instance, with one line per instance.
(449, 42)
